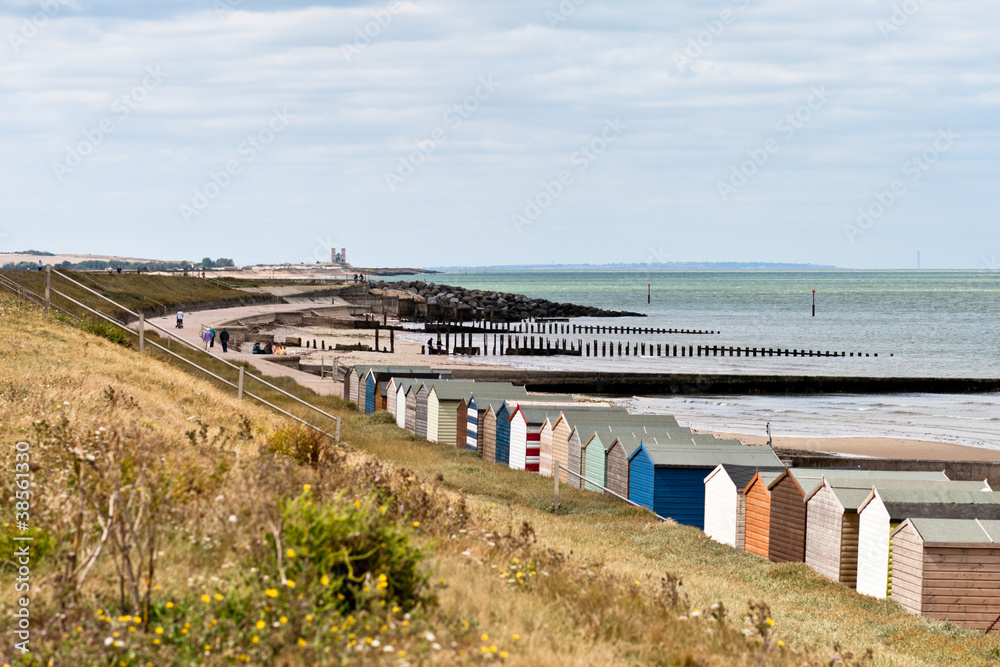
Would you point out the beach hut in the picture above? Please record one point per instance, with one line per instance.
(370, 376)
(406, 403)
(598, 453)
(560, 418)
(831, 543)
(884, 509)
(568, 442)
(949, 569)
(501, 434)
(486, 396)
(725, 502)
(616, 464)
(670, 479)
(757, 525)
(487, 436)
(444, 406)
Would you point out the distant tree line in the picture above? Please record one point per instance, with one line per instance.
(100, 265)
(209, 263)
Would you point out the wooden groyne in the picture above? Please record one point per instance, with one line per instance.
(662, 384)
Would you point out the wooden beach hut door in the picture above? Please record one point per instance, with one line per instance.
(472, 426)
(720, 507)
(503, 435)
(787, 540)
(758, 517)
(421, 411)
(594, 466)
(518, 439)
(462, 426)
(616, 469)
(640, 479)
(401, 407)
(371, 389)
(487, 437)
(411, 409)
(873, 549)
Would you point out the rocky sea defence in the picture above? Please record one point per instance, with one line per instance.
(504, 305)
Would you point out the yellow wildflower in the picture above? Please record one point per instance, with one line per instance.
(255, 639)
(290, 553)
(302, 642)
(205, 598)
(325, 580)
(260, 625)
(290, 583)
(271, 593)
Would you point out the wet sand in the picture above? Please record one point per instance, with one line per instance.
(890, 448)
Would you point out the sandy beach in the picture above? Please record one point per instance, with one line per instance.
(408, 353)
(895, 448)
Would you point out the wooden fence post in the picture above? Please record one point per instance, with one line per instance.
(239, 389)
(142, 332)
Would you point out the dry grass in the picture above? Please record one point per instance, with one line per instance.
(599, 580)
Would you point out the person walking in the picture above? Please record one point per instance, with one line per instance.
(211, 330)
(207, 337)
(224, 339)
(180, 319)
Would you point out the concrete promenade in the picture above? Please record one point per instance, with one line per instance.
(196, 321)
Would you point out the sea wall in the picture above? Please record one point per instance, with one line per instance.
(666, 384)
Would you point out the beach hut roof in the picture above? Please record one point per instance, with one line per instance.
(953, 532)
(709, 456)
(852, 493)
(458, 389)
(537, 414)
(362, 370)
(936, 503)
(741, 474)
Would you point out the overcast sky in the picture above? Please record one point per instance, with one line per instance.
(854, 133)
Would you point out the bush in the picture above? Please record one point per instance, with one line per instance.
(305, 445)
(360, 557)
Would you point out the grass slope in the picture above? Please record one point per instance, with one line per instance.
(153, 294)
(599, 583)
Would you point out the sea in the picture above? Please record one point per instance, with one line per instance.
(919, 323)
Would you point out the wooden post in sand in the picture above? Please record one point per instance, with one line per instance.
(392, 341)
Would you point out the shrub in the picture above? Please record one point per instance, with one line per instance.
(305, 445)
(360, 557)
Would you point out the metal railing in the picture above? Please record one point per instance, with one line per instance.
(555, 504)
(170, 336)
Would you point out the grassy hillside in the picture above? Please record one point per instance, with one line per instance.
(175, 525)
(153, 294)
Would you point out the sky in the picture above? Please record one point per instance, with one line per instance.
(444, 133)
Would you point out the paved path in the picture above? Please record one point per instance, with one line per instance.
(196, 321)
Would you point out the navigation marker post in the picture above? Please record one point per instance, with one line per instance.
(814, 303)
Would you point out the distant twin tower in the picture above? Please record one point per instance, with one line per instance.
(338, 257)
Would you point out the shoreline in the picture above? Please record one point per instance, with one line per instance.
(874, 447)
(408, 353)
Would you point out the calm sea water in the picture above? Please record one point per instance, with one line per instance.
(932, 323)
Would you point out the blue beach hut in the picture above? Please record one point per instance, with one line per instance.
(503, 434)
(670, 479)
